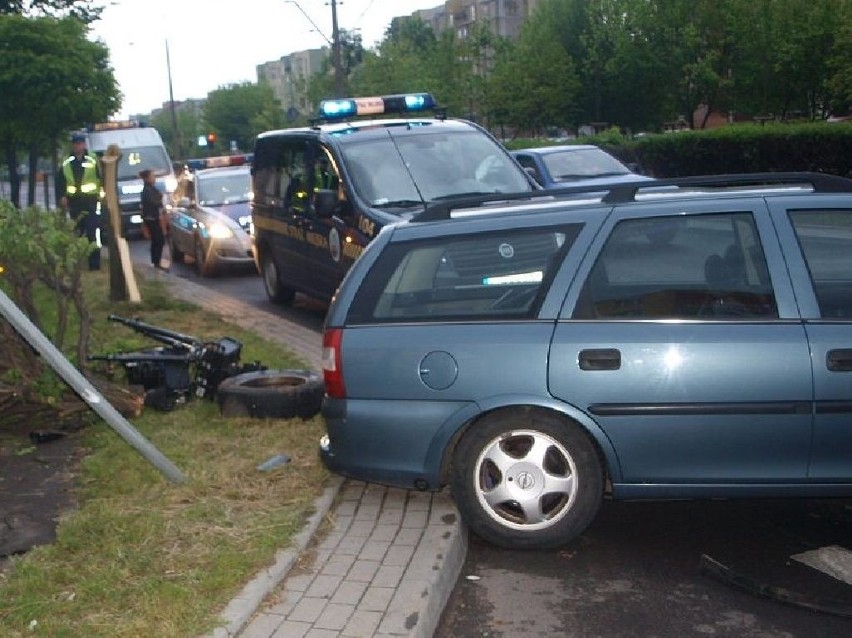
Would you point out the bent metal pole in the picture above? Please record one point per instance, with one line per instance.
(85, 389)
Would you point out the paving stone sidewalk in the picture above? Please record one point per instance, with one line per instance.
(371, 561)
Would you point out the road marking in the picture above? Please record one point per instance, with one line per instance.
(833, 560)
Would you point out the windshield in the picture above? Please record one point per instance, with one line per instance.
(140, 158)
(411, 169)
(230, 188)
(582, 163)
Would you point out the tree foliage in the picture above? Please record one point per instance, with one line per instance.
(635, 64)
(190, 126)
(86, 11)
(53, 80)
(238, 112)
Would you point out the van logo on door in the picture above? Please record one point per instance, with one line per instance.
(507, 251)
(334, 244)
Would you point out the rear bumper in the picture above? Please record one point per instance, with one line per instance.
(395, 443)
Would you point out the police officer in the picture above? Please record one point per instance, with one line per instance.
(79, 187)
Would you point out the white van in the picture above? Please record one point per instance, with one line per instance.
(141, 148)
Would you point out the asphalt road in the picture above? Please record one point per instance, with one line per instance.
(244, 284)
(637, 571)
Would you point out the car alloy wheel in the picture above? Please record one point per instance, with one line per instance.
(534, 481)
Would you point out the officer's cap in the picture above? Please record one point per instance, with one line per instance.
(78, 137)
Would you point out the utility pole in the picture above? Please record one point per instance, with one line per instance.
(335, 46)
(178, 141)
(336, 60)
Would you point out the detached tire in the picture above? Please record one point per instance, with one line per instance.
(265, 394)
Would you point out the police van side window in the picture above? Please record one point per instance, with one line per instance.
(294, 177)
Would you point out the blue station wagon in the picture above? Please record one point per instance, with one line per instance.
(536, 353)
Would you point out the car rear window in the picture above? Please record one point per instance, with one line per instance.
(498, 275)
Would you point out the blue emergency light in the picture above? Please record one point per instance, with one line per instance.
(379, 105)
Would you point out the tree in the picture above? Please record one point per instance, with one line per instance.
(84, 10)
(239, 112)
(840, 64)
(190, 127)
(400, 63)
(534, 84)
(54, 80)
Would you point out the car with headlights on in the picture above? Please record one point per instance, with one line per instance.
(574, 165)
(211, 221)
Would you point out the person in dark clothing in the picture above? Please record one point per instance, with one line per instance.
(79, 187)
(152, 207)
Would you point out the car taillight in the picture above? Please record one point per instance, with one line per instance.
(332, 364)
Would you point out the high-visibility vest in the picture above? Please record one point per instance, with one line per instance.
(89, 184)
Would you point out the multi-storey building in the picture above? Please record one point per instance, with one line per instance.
(504, 17)
(288, 77)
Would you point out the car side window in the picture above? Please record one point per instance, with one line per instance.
(498, 275)
(683, 267)
(823, 237)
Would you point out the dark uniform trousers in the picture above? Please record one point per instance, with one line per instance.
(84, 211)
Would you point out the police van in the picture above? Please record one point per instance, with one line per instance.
(322, 192)
(141, 148)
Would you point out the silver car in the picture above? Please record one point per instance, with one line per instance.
(211, 221)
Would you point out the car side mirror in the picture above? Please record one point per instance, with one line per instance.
(325, 203)
(529, 170)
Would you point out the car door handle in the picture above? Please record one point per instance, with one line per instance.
(600, 359)
(839, 360)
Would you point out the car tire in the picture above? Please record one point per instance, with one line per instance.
(281, 394)
(175, 253)
(526, 478)
(203, 265)
(275, 290)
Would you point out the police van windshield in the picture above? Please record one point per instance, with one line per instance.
(140, 158)
(407, 170)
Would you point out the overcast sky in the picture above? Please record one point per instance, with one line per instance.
(213, 43)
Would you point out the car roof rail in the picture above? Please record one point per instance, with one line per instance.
(819, 183)
(626, 192)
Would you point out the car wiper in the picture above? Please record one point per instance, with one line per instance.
(399, 203)
(592, 176)
(466, 194)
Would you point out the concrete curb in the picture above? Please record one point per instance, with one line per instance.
(361, 515)
(242, 607)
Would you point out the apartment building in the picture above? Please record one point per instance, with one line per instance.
(288, 76)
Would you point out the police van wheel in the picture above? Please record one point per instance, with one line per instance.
(276, 292)
(265, 394)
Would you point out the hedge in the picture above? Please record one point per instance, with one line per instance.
(742, 148)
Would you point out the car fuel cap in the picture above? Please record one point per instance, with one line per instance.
(438, 370)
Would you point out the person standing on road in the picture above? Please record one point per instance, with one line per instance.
(152, 210)
(79, 187)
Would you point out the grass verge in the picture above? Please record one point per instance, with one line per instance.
(140, 556)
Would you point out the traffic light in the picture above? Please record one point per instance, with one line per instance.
(211, 140)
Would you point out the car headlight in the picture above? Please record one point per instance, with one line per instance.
(170, 184)
(217, 230)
